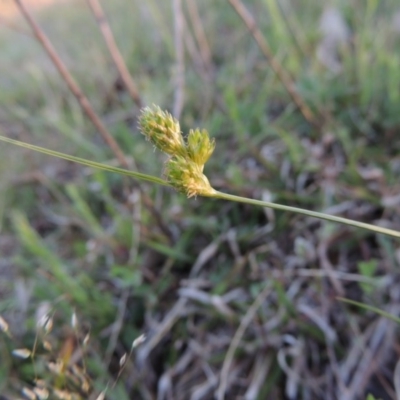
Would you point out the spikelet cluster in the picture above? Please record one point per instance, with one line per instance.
(184, 168)
(162, 129)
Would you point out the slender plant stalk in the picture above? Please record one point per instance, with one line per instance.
(88, 163)
(115, 52)
(200, 34)
(283, 76)
(315, 214)
(86, 105)
(370, 308)
(213, 193)
(72, 84)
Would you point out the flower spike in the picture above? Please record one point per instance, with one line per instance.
(184, 169)
(162, 129)
(187, 177)
(199, 146)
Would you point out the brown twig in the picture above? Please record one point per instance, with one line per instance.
(204, 70)
(73, 86)
(191, 47)
(114, 51)
(180, 58)
(200, 33)
(275, 65)
(87, 108)
(130, 86)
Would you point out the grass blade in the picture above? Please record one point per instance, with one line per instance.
(88, 163)
(315, 214)
(370, 308)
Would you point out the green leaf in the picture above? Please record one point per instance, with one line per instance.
(367, 269)
(371, 397)
(35, 245)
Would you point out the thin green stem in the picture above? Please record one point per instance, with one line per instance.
(88, 163)
(214, 194)
(370, 308)
(281, 207)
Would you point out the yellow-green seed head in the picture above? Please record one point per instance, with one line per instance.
(199, 146)
(184, 170)
(187, 177)
(162, 129)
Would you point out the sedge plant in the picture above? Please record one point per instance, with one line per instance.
(184, 168)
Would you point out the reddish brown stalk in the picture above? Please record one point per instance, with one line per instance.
(87, 108)
(73, 86)
(200, 33)
(114, 52)
(275, 65)
(195, 54)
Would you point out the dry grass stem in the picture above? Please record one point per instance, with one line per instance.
(117, 325)
(275, 65)
(72, 85)
(260, 372)
(396, 379)
(87, 108)
(371, 357)
(119, 61)
(313, 315)
(206, 255)
(249, 316)
(164, 327)
(328, 267)
(195, 55)
(199, 31)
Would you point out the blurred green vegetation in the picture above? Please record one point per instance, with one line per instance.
(85, 241)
